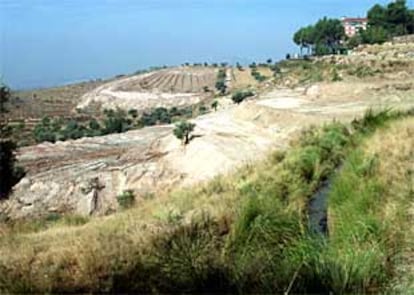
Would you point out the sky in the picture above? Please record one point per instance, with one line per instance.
(46, 43)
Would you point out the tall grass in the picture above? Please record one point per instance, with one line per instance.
(355, 259)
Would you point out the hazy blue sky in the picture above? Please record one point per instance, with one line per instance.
(49, 42)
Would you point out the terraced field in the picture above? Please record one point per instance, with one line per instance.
(52, 102)
(181, 86)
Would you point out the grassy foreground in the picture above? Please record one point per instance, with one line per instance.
(246, 232)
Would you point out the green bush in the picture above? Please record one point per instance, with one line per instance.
(259, 77)
(221, 81)
(335, 76)
(116, 121)
(133, 113)
(202, 109)
(214, 105)
(126, 199)
(239, 96)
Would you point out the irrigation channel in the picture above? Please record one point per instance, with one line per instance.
(318, 209)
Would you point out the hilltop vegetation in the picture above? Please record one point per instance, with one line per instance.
(327, 36)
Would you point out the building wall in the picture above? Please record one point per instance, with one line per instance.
(352, 26)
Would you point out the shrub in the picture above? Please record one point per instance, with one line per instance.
(259, 77)
(126, 199)
(238, 97)
(214, 105)
(202, 109)
(73, 130)
(133, 113)
(221, 86)
(335, 76)
(221, 74)
(116, 122)
(158, 116)
(221, 81)
(44, 130)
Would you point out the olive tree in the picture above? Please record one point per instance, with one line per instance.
(183, 131)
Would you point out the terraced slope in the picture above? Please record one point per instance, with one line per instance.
(177, 87)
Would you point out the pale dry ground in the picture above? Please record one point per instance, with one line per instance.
(86, 175)
(173, 87)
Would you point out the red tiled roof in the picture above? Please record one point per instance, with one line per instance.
(355, 19)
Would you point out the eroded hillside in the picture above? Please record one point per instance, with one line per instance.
(84, 176)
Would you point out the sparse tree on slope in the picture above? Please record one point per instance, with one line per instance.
(214, 105)
(183, 131)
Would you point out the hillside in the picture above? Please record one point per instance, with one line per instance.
(238, 207)
(216, 233)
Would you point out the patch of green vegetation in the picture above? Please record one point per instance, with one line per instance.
(356, 257)
(126, 199)
(214, 105)
(164, 116)
(114, 121)
(202, 109)
(240, 96)
(361, 71)
(45, 222)
(183, 130)
(221, 81)
(258, 76)
(308, 71)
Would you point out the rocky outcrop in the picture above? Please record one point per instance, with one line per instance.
(85, 176)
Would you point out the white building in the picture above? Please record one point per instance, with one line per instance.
(353, 25)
